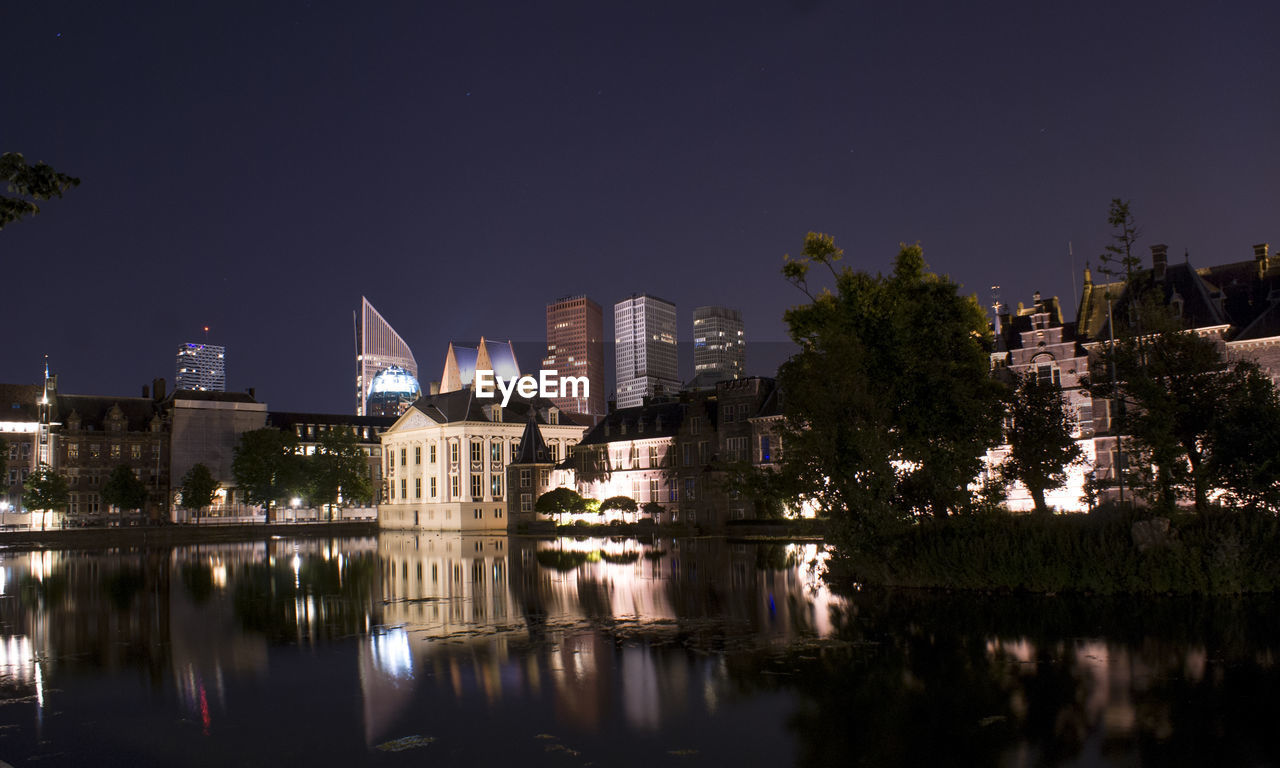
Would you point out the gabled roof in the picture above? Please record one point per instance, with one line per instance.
(642, 422)
(94, 409)
(19, 402)
(463, 405)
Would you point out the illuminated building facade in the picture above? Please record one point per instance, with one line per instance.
(378, 347)
(391, 393)
(202, 367)
(575, 347)
(644, 330)
(718, 344)
(445, 460)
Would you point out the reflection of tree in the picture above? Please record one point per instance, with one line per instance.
(561, 560)
(936, 679)
(323, 597)
(197, 578)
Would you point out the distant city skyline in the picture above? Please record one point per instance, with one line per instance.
(645, 352)
(575, 347)
(378, 347)
(201, 367)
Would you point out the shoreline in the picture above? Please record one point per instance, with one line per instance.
(172, 535)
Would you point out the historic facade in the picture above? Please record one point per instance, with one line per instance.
(445, 460)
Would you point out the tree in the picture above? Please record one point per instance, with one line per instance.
(1041, 447)
(198, 488)
(1244, 443)
(889, 401)
(620, 503)
(1118, 259)
(267, 467)
(124, 490)
(45, 491)
(338, 470)
(560, 501)
(26, 184)
(1176, 389)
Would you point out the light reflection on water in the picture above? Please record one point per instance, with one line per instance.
(617, 650)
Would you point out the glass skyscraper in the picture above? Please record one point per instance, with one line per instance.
(378, 347)
(644, 332)
(202, 366)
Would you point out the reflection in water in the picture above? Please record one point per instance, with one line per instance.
(488, 648)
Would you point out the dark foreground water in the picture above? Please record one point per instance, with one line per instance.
(476, 651)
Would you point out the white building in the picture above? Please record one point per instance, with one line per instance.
(445, 460)
(644, 330)
(202, 367)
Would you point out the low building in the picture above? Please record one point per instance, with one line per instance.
(309, 427)
(445, 460)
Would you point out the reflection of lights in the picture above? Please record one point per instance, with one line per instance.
(220, 575)
(391, 653)
(296, 562)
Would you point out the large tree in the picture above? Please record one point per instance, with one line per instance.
(267, 467)
(198, 488)
(45, 491)
(124, 490)
(26, 184)
(338, 470)
(1041, 447)
(889, 402)
(560, 501)
(1244, 441)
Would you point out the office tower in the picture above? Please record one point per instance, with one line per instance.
(575, 347)
(378, 347)
(644, 331)
(718, 346)
(202, 366)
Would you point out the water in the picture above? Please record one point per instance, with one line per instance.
(480, 650)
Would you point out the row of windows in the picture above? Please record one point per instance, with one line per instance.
(114, 451)
(496, 453)
(477, 487)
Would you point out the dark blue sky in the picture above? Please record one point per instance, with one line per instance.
(256, 167)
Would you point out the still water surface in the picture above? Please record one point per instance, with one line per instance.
(486, 650)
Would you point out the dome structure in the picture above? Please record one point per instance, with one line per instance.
(392, 391)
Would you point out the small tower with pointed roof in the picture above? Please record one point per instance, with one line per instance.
(528, 474)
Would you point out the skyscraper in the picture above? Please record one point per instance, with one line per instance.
(644, 331)
(718, 345)
(575, 347)
(202, 366)
(378, 347)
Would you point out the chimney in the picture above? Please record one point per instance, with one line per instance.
(157, 389)
(146, 392)
(1159, 260)
(1260, 256)
(251, 394)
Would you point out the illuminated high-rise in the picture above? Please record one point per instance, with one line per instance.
(575, 347)
(378, 347)
(644, 331)
(718, 349)
(201, 367)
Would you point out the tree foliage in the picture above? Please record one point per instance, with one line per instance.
(620, 503)
(560, 501)
(45, 490)
(889, 401)
(198, 488)
(124, 490)
(1183, 401)
(267, 467)
(338, 470)
(1118, 259)
(1244, 441)
(1041, 447)
(26, 184)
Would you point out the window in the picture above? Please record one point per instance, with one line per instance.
(115, 450)
(737, 448)
(689, 485)
(653, 489)
(526, 477)
(553, 450)
(526, 502)
(453, 486)
(635, 456)
(686, 451)
(417, 487)
(453, 452)
(73, 451)
(431, 453)
(495, 451)
(704, 452)
(404, 457)
(417, 454)
(695, 425)
(495, 487)
(544, 478)
(1048, 373)
(742, 411)
(477, 486)
(765, 455)
(727, 412)
(135, 451)
(433, 487)
(477, 514)
(404, 487)
(673, 491)
(653, 456)
(477, 451)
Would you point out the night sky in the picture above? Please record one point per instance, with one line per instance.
(257, 167)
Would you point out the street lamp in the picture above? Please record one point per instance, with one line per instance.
(294, 502)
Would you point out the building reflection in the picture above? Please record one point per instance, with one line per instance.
(600, 627)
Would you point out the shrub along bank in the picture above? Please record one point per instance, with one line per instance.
(1106, 552)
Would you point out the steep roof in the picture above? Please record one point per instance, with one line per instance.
(532, 449)
(463, 405)
(94, 409)
(19, 402)
(639, 423)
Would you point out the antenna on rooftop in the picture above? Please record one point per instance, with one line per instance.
(995, 308)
